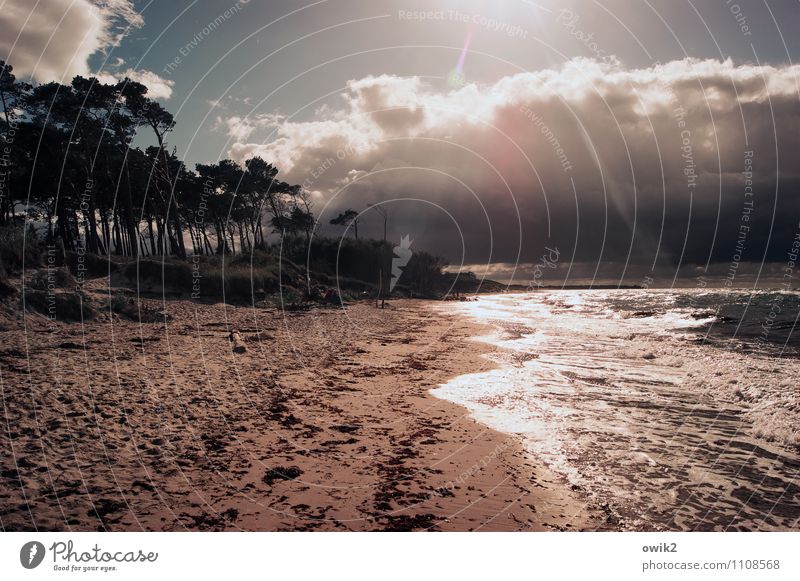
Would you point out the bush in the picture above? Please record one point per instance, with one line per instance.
(130, 309)
(352, 266)
(238, 284)
(53, 278)
(257, 258)
(245, 283)
(62, 306)
(119, 304)
(90, 265)
(203, 277)
(18, 248)
(166, 274)
(270, 281)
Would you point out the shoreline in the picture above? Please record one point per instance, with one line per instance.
(325, 423)
(646, 419)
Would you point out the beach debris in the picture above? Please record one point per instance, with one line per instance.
(238, 341)
(281, 473)
(416, 364)
(406, 523)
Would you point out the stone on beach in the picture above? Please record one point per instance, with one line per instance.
(238, 342)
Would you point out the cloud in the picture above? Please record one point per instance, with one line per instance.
(682, 162)
(240, 128)
(53, 39)
(157, 87)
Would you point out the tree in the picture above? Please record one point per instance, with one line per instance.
(262, 183)
(347, 218)
(384, 268)
(74, 168)
(12, 94)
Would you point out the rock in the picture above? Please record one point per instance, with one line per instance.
(238, 342)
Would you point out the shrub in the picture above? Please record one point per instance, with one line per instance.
(119, 304)
(18, 247)
(270, 281)
(257, 258)
(53, 278)
(245, 283)
(61, 306)
(90, 265)
(167, 274)
(203, 277)
(130, 309)
(239, 285)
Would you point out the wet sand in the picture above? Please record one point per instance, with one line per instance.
(324, 423)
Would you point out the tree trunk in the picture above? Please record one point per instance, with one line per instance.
(207, 242)
(152, 236)
(116, 235)
(179, 235)
(130, 223)
(160, 237)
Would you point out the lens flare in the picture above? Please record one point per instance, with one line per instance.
(456, 76)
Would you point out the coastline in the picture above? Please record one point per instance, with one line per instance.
(325, 423)
(641, 409)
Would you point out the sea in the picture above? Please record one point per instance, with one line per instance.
(663, 409)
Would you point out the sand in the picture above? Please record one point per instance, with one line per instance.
(325, 422)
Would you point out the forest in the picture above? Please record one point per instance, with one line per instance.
(72, 177)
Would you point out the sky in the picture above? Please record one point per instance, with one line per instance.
(613, 140)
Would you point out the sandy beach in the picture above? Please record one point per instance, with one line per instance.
(324, 423)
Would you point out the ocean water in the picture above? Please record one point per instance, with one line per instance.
(667, 409)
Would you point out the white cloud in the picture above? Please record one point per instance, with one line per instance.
(240, 128)
(157, 87)
(53, 39)
(380, 108)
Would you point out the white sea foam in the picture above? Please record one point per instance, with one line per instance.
(628, 397)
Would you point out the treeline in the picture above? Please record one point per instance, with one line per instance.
(69, 166)
(69, 162)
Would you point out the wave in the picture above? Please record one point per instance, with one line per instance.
(632, 394)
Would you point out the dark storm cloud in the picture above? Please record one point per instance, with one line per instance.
(684, 162)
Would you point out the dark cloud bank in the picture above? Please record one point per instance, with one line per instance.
(631, 172)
